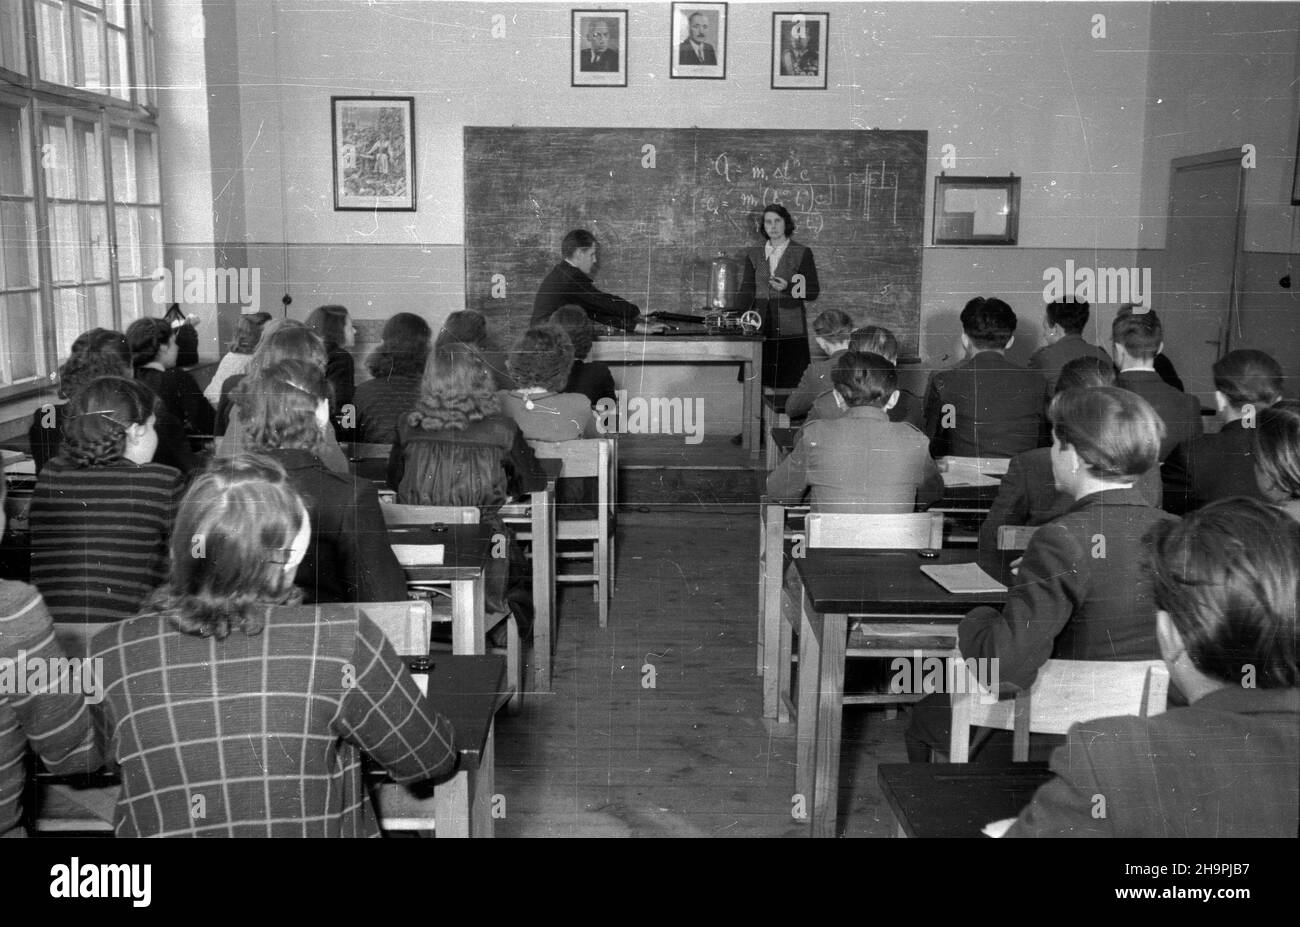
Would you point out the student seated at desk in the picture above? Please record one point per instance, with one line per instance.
(1227, 764)
(591, 378)
(540, 366)
(218, 689)
(1209, 467)
(872, 339)
(54, 721)
(457, 448)
(153, 355)
(1028, 494)
(1277, 455)
(986, 406)
(97, 353)
(469, 328)
(238, 354)
(102, 509)
(860, 462)
(349, 558)
(333, 325)
(1063, 324)
(396, 366)
(1079, 594)
(831, 330)
(1139, 338)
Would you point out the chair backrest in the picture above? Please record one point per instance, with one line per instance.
(1065, 693)
(405, 624)
(360, 450)
(397, 514)
(902, 530)
(586, 457)
(1015, 537)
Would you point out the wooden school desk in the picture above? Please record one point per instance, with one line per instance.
(703, 347)
(889, 594)
(468, 691)
(957, 799)
(465, 555)
(541, 521)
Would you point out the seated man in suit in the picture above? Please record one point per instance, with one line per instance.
(1209, 467)
(986, 406)
(872, 339)
(860, 462)
(569, 282)
(1139, 338)
(1079, 593)
(1063, 330)
(1227, 764)
(831, 329)
(695, 50)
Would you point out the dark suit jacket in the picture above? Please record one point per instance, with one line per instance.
(349, 559)
(1180, 412)
(909, 407)
(1050, 358)
(686, 54)
(782, 312)
(608, 60)
(1209, 467)
(816, 380)
(593, 380)
(1225, 766)
(1080, 594)
(998, 408)
(566, 285)
(1028, 495)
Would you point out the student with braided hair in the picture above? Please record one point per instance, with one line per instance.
(102, 509)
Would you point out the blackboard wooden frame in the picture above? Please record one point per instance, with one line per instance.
(1295, 180)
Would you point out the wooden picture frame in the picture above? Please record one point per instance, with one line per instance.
(698, 50)
(600, 46)
(373, 140)
(976, 211)
(1295, 179)
(800, 43)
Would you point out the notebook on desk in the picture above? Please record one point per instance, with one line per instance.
(418, 554)
(962, 578)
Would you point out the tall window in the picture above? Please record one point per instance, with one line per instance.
(80, 199)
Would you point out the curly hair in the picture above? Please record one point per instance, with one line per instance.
(95, 431)
(543, 358)
(249, 332)
(464, 326)
(331, 323)
(278, 407)
(577, 325)
(404, 349)
(146, 337)
(287, 339)
(100, 352)
(234, 531)
(457, 390)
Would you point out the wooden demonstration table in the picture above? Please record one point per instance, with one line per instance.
(697, 348)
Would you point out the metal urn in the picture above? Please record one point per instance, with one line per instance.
(724, 284)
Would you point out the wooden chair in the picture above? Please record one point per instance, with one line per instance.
(589, 457)
(405, 624)
(410, 555)
(1065, 692)
(1015, 537)
(886, 531)
(368, 461)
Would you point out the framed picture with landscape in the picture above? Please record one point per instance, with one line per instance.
(374, 153)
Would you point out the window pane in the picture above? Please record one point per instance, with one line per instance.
(119, 73)
(18, 257)
(13, 53)
(68, 320)
(127, 220)
(97, 4)
(116, 12)
(91, 161)
(133, 297)
(123, 168)
(151, 244)
(14, 177)
(146, 165)
(60, 178)
(65, 237)
(52, 39)
(98, 244)
(100, 303)
(91, 64)
(26, 353)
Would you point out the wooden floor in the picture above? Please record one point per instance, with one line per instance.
(655, 726)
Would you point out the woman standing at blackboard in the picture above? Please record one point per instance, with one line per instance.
(789, 279)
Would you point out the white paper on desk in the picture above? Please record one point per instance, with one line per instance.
(960, 578)
(418, 554)
(998, 828)
(974, 471)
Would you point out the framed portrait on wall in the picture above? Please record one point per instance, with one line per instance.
(374, 153)
(699, 44)
(799, 47)
(599, 48)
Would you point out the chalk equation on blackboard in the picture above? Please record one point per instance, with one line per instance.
(807, 193)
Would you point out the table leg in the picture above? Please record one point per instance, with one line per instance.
(830, 716)
(483, 788)
(752, 409)
(468, 634)
(772, 567)
(810, 630)
(451, 806)
(543, 586)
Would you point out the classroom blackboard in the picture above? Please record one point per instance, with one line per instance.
(664, 202)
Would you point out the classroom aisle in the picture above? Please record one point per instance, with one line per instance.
(609, 754)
